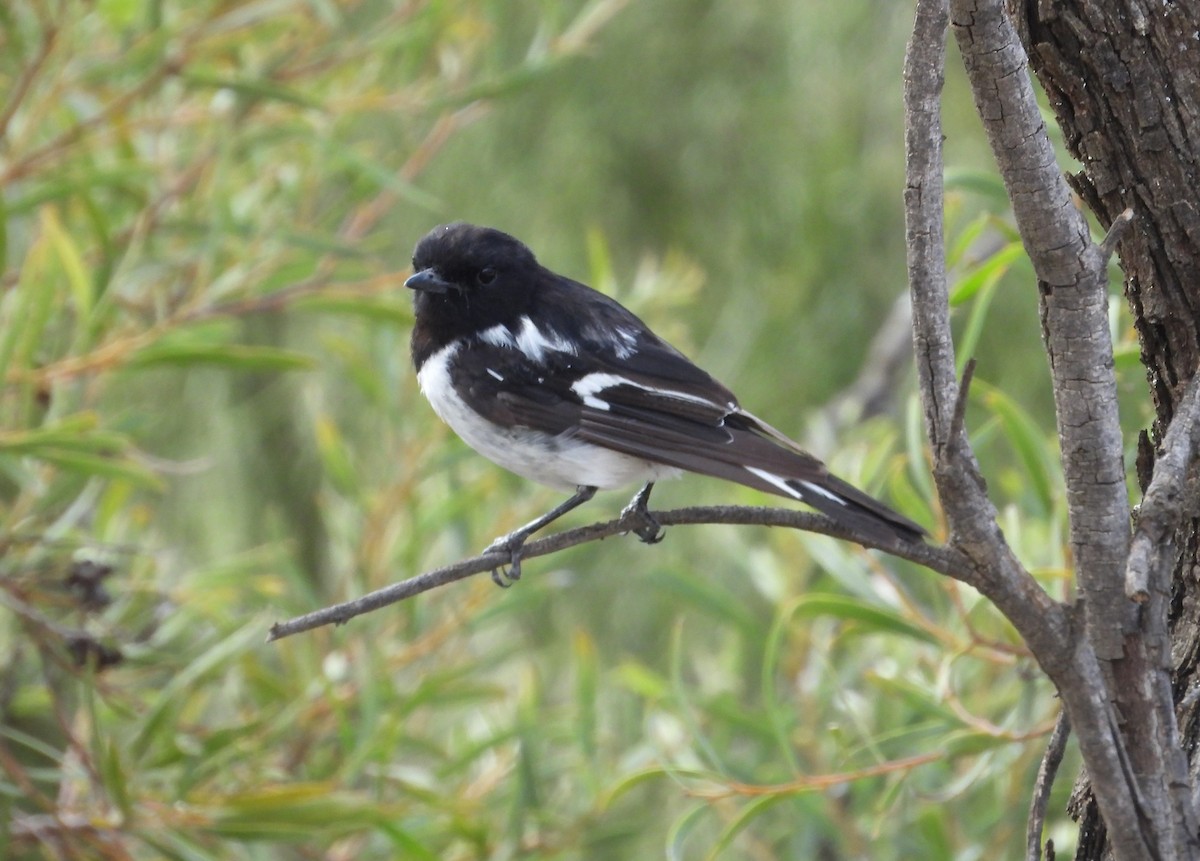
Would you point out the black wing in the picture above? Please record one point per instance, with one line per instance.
(641, 397)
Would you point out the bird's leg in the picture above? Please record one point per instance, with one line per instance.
(513, 542)
(650, 531)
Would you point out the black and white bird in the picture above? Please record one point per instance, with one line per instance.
(562, 385)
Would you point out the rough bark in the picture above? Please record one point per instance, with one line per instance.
(1071, 280)
(1123, 79)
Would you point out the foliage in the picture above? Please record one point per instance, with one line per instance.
(209, 423)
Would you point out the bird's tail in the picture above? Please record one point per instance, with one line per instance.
(814, 485)
(749, 451)
(844, 503)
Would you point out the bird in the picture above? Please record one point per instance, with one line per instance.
(561, 384)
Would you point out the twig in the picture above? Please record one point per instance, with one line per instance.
(1047, 771)
(28, 76)
(1160, 512)
(924, 75)
(732, 788)
(1148, 582)
(941, 559)
(1117, 230)
(960, 403)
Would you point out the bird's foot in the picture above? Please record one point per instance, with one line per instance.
(648, 529)
(511, 544)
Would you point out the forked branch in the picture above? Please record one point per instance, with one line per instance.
(941, 559)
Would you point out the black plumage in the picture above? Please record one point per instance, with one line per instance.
(563, 385)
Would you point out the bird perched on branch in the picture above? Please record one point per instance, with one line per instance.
(562, 385)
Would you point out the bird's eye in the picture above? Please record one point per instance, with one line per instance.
(486, 276)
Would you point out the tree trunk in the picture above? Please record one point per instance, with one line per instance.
(1123, 79)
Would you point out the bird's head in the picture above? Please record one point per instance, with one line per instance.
(470, 274)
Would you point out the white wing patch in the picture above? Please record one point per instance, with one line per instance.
(627, 345)
(535, 343)
(589, 386)
(783, 485)
(498, 336)
(825, 493)
(772, 478)
(530, 340)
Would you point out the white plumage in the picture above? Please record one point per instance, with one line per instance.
(559, 461)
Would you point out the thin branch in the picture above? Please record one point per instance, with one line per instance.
(1161, 511)
(1152, 556)
(1073, 288)
(1047, 771)
(924, 76)
(970, 513)
(958, 422)
(1116, 231)
(28, 75)
(729, 789)
(22, 167)
(944, 560)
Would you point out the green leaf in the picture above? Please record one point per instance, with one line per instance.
(923, 700)
(293, 811)
(680, 830)
(3, 233)
(586, 689)
(966, 238)
(235, 356)
(171, 696)
(708, 596)
(336, 455)
(76, 444)
(382, 175)
(120, 14)
(76, 432)
(115, 782)
(630, 782)
(101, 466)
(872, 619)
(744, 817)
(383, 310)
(986, 274)
(985, 183)
(1033, 446)
(973, 331)
(72, 265)
(30, 309)
(781, 720)
(255, 88)
(972, 743)
(915, 446)
(1127, 358)
(642, 681)
(126, 179)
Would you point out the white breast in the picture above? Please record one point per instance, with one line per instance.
(556, 461)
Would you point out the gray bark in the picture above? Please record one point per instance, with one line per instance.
(1124, 81)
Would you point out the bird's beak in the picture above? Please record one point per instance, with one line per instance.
(427, 281)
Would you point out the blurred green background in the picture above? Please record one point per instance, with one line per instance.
(210, 424)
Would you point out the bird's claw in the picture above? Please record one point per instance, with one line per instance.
(652, 533)
(512, 545)
(648, 530)
(505, 577)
